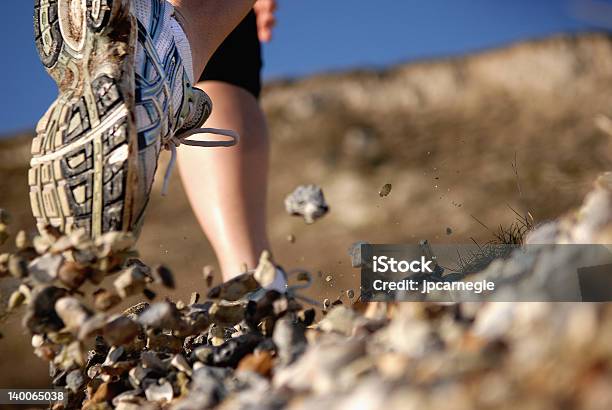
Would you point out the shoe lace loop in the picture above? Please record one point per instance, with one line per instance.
(291, 289)
(175, 141)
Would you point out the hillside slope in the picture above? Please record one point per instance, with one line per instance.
(450, 136)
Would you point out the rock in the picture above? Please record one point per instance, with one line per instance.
(152, 360)
(163, 342)
(207, 390)
(258, 362)
(4, 235)
(41, 316)
(163, 276)
(162, 315)
(179, 362)
(15, 300)
(266, 271)
(307, 201)
(138, 374)
(385, 190)
(72, 274)
(209, 273)
(121, 330)
(106, 392)
(289, 339)
(72, 312)
(105, 300)
(339, 319)
(134, 311)
(18, 267)
(130, 282)
(229, 353)
(22, 241)
(195, 297)
(74, 381)
(235, 288)
(160, 393)
(115, 354)
(114, 242)
(319, 367)
(92, 326)
(4, 262)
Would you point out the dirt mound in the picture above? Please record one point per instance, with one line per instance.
(244, 347)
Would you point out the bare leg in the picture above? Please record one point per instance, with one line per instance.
(207, 23)
(227, 186)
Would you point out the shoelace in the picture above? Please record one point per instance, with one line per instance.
(172, 143)
(291, 290)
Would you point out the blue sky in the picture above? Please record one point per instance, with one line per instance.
(315, 36)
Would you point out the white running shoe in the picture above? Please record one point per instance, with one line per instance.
(125, 77)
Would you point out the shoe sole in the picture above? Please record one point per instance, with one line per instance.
(84, 155)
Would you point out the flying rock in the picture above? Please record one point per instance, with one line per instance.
(132, 281)
(307, 201)
(72, 312)
(162, 275)
(385, 190)
(41, 316)
(234, 288)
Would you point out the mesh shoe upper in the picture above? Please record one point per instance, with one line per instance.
(163, 78)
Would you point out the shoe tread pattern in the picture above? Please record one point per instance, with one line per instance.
(80, 157)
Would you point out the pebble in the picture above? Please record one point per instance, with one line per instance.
(208, 272)
(234, 288)
(72, 312)
(266, 271)
(121, 330)
(131, 282)
(74, 381)
(195, 297)
(4, 235)
(326, 303)
(385, 190)
(21, 240)
(105, 299)
(290, 340)
(160, 393)
(16, 300)
(163, 276)
(179, 362)
(260, 362)
(162, 315)
(307, 201)
(72, 274)
(18, 268)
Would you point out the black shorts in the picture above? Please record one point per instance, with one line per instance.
(237, 61)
